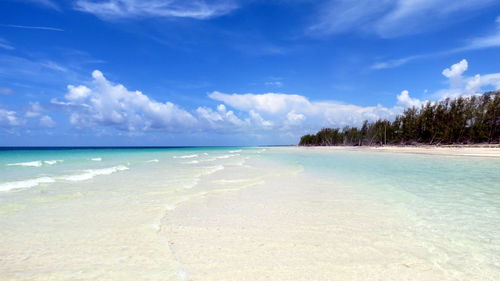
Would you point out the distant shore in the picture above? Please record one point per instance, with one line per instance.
(479, 150)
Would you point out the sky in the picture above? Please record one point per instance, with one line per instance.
(231, 72)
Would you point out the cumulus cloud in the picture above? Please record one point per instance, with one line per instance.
(221, 118)
(47, 121)
(288, 111)
(107, 104)
(406, 101)
(270, 102)
(117, 9)
(459, 84)
(9, 118)
(35, 110)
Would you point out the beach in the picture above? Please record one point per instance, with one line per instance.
(259, 213)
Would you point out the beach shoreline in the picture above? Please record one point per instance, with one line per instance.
(483, 150)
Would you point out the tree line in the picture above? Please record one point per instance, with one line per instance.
(463, 120)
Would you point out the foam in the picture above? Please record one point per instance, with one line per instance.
(235, 151)
(191, 184)
(227, 156)
(52, 162)
(186, 156)
(193, 162)
(93, 173)
(27, 164)
(212, 169)
(96, 159)
(153, 161)
(25, 183)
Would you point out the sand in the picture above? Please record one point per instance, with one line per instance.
(294, 227)
(479, 151)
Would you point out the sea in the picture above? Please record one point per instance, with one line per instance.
(89, 213)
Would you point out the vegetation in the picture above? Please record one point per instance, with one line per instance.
(464, 120)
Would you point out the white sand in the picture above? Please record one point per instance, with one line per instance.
(479, 151)
(296, 228)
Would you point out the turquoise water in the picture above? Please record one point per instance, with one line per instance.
(448, 205)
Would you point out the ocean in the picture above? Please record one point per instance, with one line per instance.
(103, 213)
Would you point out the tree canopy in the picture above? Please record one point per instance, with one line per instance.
(463, 120)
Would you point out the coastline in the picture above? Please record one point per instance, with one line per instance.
(482, 150)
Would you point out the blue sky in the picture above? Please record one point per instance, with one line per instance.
(231, 72)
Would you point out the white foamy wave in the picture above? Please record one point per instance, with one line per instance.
(153, 161)
(227, 156)
(192, 184)
(93, 173)
(186, 156)
(27, 164)
(235, 151)
(193, 162)
(204, 153)
(52, 162)
(25, 183)
(212, 169)
(96, 159)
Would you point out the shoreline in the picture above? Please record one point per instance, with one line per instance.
(449, 150)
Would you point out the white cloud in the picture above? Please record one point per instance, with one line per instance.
(296, 112)
(477, 43)
(454, 73)
(34, 111)
(220, 118)
(107, 104)
(277, 84)
(463, 85)
(486, 41)
(48, 28)
(196, 9)
(270, 102)
(46, 3)
(406, 101)
(9, 118)
(47, 121)
(4, 44)
(390, 18)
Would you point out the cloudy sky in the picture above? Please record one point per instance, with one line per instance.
(231, 72)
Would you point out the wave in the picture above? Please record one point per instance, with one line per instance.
(193, 162)
(227, 156)
(93, 173)
(27, 164)
(96, 159)
(235, 151)
(153, 161)
(52, 162)
(212, 169)
(25, 183)
(191, 184)
(186, 156)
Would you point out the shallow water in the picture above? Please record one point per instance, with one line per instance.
(99, 214)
